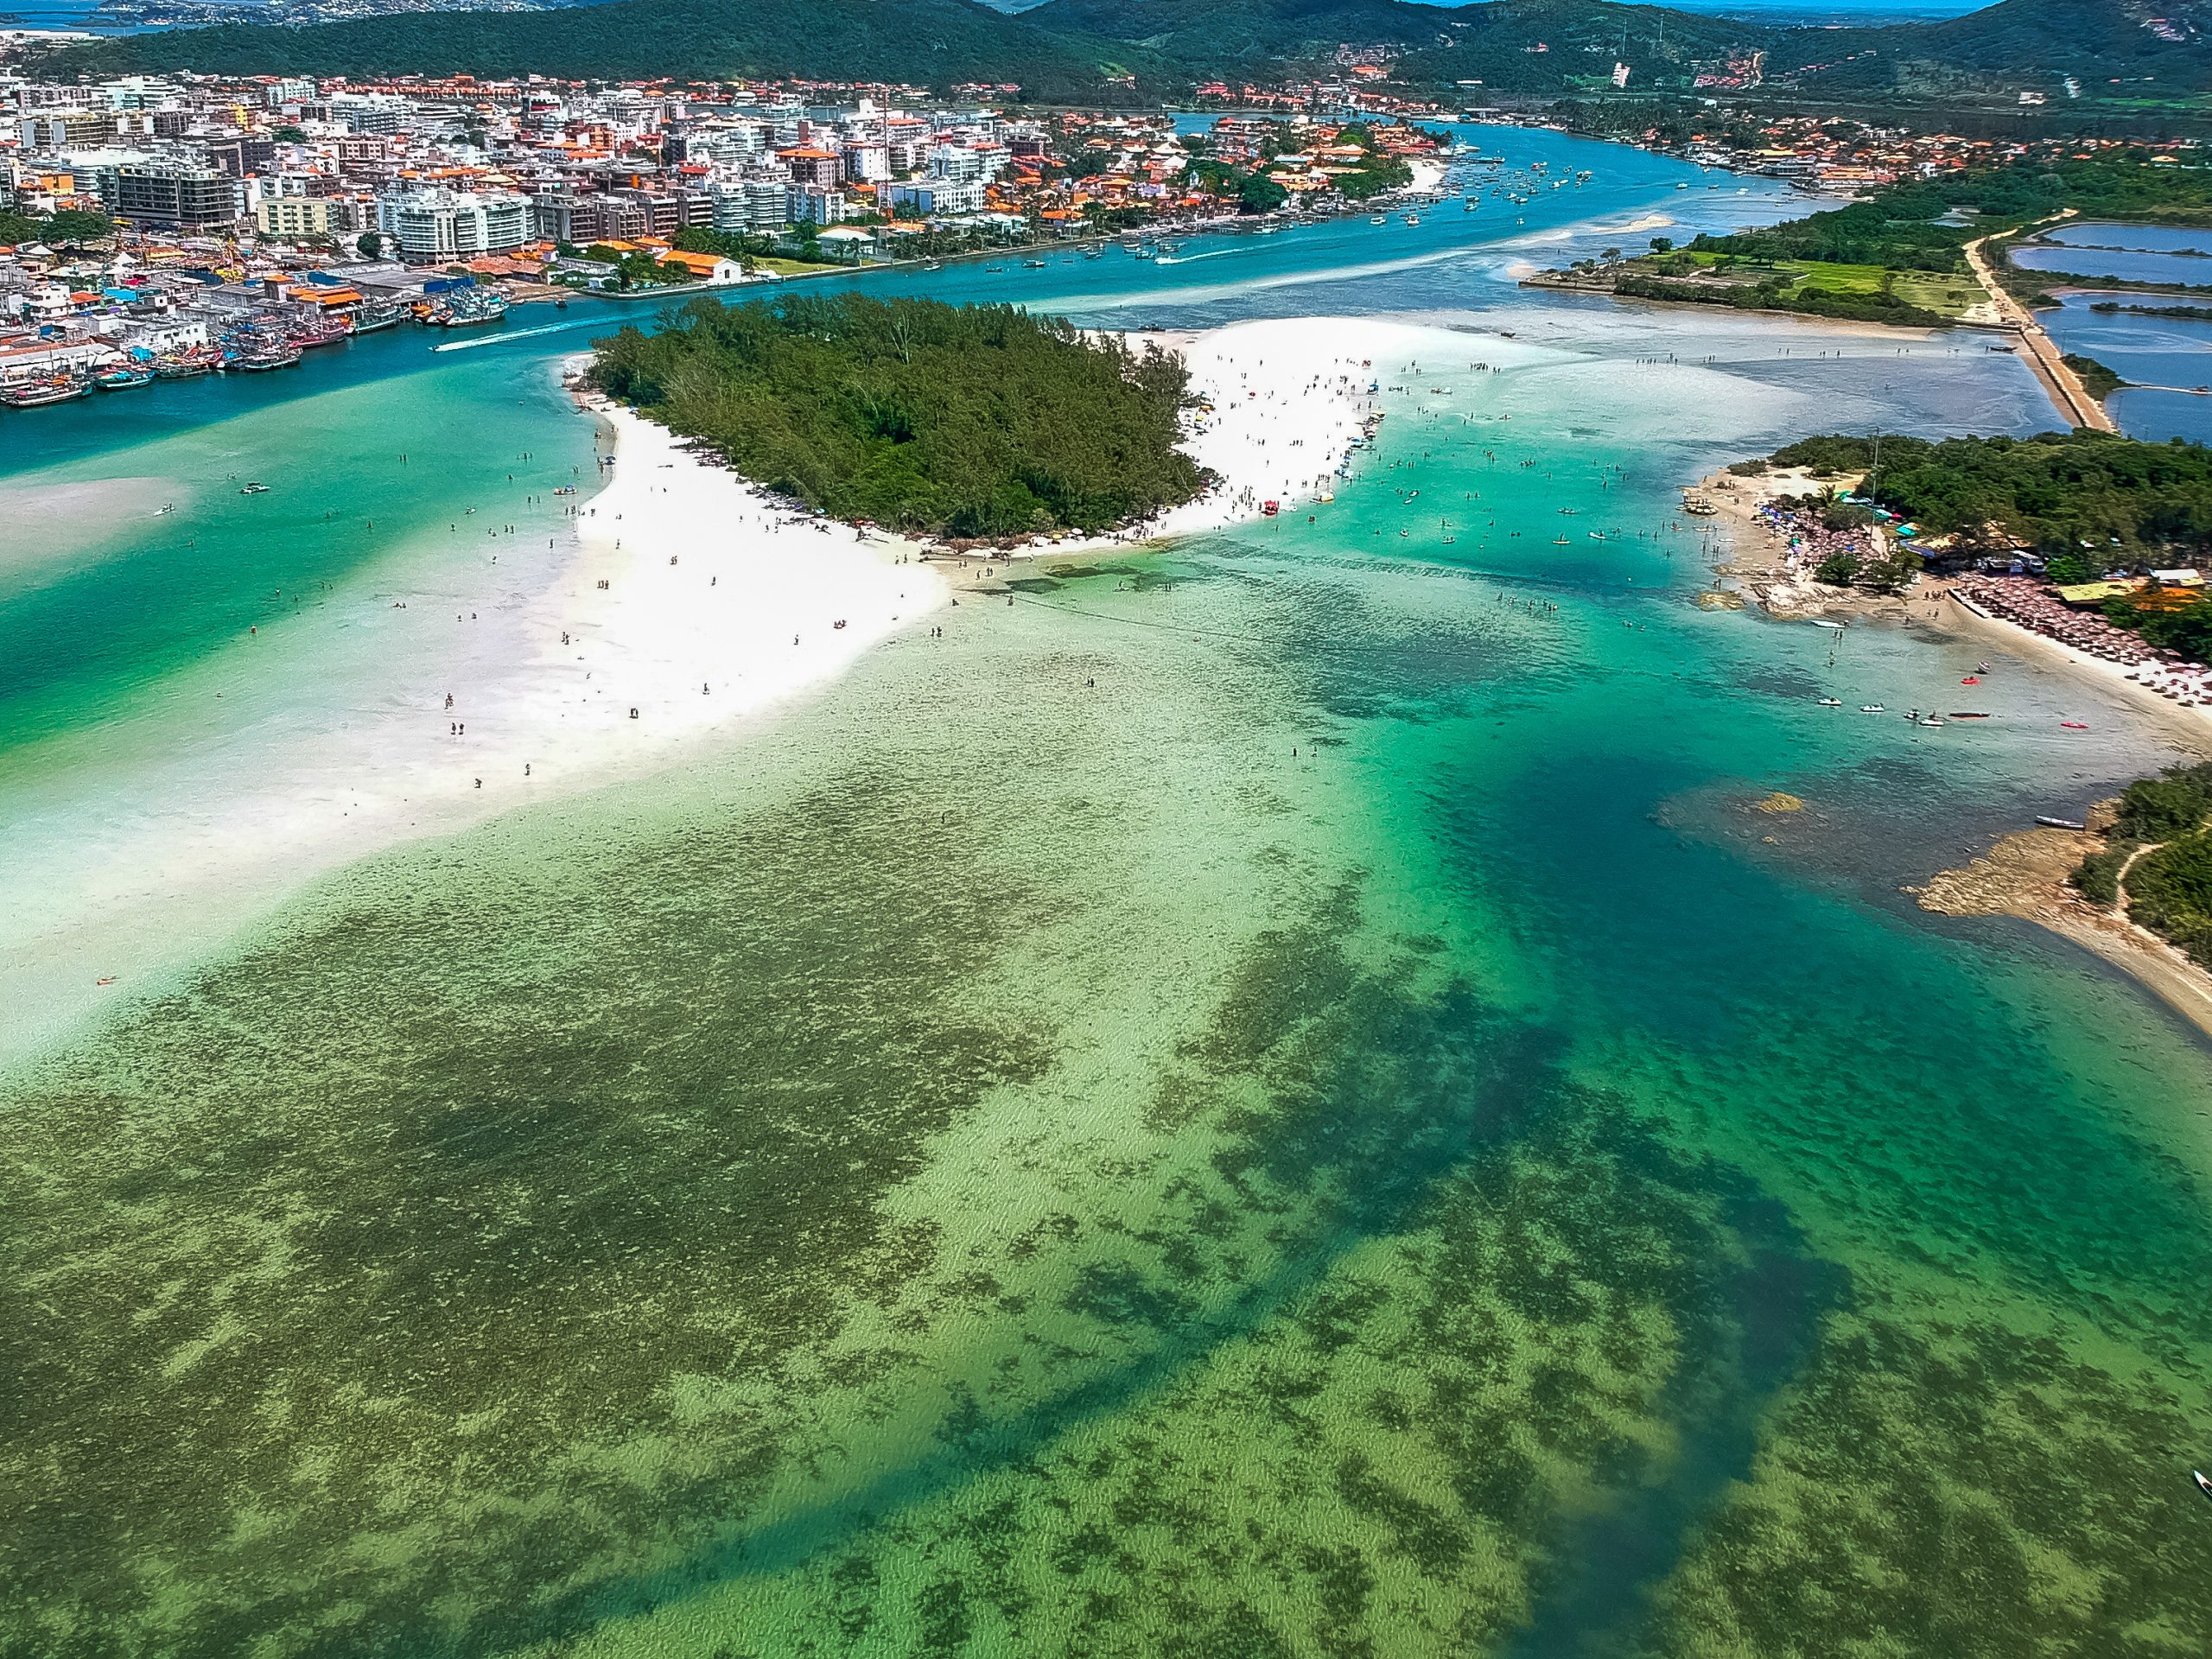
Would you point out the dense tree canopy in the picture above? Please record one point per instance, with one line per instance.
(64, 227)
(2056, 492)
(978, 421)
(1922, 225)
(2169, 889)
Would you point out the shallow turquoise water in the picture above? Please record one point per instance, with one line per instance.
(1273, 1097)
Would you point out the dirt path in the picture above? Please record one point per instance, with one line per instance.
(2025, 874)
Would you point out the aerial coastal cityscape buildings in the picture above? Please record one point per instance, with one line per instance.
(193, 224)
(239, 222)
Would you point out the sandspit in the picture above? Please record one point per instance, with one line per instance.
(686, 606)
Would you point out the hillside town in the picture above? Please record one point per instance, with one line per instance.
(155, 227)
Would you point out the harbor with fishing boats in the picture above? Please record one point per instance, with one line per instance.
(173, 332)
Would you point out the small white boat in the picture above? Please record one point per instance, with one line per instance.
(1872, 708)
(1931, 721)
(1821, 622)
(1831, 703)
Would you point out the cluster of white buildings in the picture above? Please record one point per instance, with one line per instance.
(455, 169)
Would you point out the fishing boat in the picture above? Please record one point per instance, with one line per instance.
(260, 357)
(1831, 703)
(1968, 715)
(123, 378)
(1561, 541)
(1931, 721)
(371, 318)
(469, 308)
(34, 394)
(1872, 708)
(183, 365)
(253, 489)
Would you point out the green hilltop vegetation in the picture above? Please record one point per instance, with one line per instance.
(1899, 256)
(2055, 492)
(2168, 889)
(1075, 50)
(2114, 49)
(1249, 34)
(958, 421)
(933, 41)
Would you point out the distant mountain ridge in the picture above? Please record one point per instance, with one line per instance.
(932, 42)
(2031, 46)
(1074, 50)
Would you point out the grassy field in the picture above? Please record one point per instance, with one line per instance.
(1946, 294)
(800, 267)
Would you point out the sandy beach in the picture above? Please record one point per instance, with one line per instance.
(2189, 726)
(685, 607)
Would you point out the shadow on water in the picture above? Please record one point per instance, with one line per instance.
(1596, 1602)
(1463, 1087)
(1432, 1108)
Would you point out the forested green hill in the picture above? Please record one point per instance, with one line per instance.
(932, 42)
(1067, 49)
(2111, 48)
(964, 421)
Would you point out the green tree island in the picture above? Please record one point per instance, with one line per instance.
(928, 418)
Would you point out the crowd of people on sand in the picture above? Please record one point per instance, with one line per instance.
(2028, 604)
(1811, 542)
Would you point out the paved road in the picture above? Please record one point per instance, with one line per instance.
(2067, 392)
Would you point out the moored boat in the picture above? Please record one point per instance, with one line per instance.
(371, 318)
(34, 394)
(467, 308)
(258, 358)
(183, 365)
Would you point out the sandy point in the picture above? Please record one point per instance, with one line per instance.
(695, 599)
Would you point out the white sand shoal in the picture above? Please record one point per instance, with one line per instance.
(719, 608)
